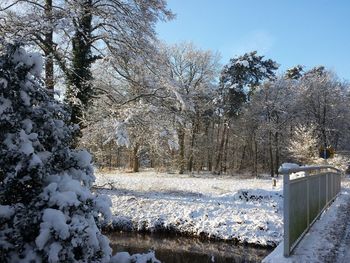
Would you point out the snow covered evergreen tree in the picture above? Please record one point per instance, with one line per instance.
(294, 72)
(47, 212)
(241, 76)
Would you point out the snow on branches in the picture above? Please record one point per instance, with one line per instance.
(47, 210)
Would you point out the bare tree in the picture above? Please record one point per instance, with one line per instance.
(76, 33)
(194, 72)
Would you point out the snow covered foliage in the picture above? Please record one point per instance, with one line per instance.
(294, 72)
(48, 213)
(152, 103)
(124, 257)
(242, 75)
(303, 144)
(77, 33)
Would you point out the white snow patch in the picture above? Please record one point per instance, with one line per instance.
(27, 125)
(43, 237)
(44, 156)
(35, 161)
(9, 143)
(243, 63)
(5, 104)
(83, 158)
(6, 211)
(26, 146)
(3, 83)
(63, 199)
(25, 98)
(55, 219)
(55, 249)
(66, 184)
(121, 257)
(121, 134)
(285, 166)
(103, 204)
(124, 257)
(33, 61)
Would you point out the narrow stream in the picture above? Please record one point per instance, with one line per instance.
(178, 249)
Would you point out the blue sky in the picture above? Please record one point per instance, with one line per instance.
(306, 32)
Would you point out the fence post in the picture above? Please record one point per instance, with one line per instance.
(327, 190)
(286, 203)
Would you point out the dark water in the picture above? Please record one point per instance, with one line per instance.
(178, 249)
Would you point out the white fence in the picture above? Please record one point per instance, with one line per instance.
(306, 195)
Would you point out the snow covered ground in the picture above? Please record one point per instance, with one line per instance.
(328, 239)
(228, 208)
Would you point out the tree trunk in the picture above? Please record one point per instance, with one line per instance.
(110, 156)
(131, 160)
(118, 158)
(277, 153)
(225, 153)
(193, 136)
(324, 133)
(80, 87)
(181, 162)
(272, 171)
(255, 158)
(218, 167)
(210, 147)
(135, 158)
(243, 157)
(49, 68)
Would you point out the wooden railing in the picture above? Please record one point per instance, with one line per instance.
(306, 195)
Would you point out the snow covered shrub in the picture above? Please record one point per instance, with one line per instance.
(47, 212)
(303, 144)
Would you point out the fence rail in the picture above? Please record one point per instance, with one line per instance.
(305, 198)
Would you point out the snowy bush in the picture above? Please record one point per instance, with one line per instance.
(47, 212)
(303, 144)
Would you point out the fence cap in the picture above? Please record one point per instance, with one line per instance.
(290, 170)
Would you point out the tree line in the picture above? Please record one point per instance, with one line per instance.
(186, 113)
(140, 102)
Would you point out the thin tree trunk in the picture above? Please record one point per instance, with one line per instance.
(232, 162)
(152, 162)
(101, 155)
(118, 158)
(243, 157)
(225, 153)
(324, 133)
(110, 156)
(193, 136)
(135, 158)
(181, 137)
(208, 146)
(218, 168)
(49, 68)
(131, 160)
(277, 153)
(211, 148)
(255, 158)
(272, 171)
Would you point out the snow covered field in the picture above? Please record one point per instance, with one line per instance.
(228, 208)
